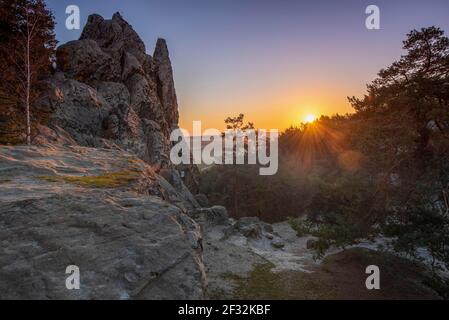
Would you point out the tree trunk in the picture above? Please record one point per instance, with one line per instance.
(28, 88)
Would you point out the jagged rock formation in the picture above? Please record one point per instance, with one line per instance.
(93, 193)
(109, 92)
(103, 210)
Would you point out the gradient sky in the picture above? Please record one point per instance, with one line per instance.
(275, 61)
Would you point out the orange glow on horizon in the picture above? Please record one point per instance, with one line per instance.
(281, 111)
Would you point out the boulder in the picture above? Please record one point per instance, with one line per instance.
(202, 200)
(269, 236)
(250, 227)
(210, 217)
(220, 214)
(277, 243)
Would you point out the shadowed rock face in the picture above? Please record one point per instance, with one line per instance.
(108, 91)
(166, 86)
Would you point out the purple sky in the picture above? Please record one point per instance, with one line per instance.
(275, 61)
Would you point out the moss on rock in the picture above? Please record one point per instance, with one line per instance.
(107, 180)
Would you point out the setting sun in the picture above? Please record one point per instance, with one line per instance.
(310, 118)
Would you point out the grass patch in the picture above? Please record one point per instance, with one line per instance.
(263, 284)
(341, 276)
(51, 178)
(107, 180)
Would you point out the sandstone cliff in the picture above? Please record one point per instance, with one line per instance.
(108, 92)
(98, 190)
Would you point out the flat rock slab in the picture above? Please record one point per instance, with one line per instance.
(92, 208)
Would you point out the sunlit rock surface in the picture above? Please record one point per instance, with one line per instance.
(105, 211)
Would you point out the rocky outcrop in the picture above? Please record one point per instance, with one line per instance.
(166, 87)
(211, 217)
(108, 92)
(99, 191)
(115, 36)
(103, 210)
(202, 200)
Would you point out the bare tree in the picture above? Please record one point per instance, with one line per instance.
(27, 48)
